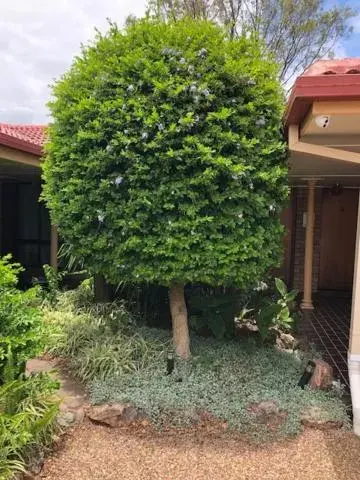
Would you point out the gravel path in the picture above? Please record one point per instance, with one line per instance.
(98, 453)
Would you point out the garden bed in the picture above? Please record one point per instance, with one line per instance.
(228, 382)
(222, 384)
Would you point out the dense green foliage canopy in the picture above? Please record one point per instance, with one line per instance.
(21, 332)
(166, 161)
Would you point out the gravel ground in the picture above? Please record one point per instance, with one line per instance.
(98, 453)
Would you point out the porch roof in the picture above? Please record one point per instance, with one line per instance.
(322, 122)
(324, 80)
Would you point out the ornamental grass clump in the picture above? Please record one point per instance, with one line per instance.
(166, 163)
(99, 340)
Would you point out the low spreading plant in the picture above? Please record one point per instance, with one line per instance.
(223, 379)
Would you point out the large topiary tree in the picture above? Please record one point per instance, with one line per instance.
(165, 160)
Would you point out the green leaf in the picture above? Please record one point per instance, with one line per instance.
(281, 287)
(265, 318)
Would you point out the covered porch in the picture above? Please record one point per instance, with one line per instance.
(323, 127)
(327, 327)
(25, 229)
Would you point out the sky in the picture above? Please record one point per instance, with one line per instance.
(351, 46)
(39, 38)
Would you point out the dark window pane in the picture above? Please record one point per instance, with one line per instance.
(44, 223)
(28, 217)
(28, 254)
(45, 254)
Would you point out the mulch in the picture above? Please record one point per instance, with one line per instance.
(93, 452)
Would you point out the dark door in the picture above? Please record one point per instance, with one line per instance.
(25, 231)
(337, 239)
(8, 217)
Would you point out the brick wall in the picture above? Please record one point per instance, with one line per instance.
(299, 238)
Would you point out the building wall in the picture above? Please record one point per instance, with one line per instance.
(300, 206)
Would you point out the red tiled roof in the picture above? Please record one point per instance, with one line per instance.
(28, 138)
(345, 66)
(323, 81)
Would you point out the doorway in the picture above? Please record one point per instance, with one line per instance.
(338, 238)
(25, 227)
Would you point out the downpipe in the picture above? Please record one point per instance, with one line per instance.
(354, 377)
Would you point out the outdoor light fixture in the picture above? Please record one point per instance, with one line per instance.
(322, 121)
(336, 189)
(305, 378)
(170, 363)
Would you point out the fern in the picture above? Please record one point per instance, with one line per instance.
(27, 418)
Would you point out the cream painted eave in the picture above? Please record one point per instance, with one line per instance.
(18, 156)
(336, 108)
(296, 145)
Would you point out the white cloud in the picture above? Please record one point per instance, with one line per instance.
(340, 51)
(355, 22)
(38, 39)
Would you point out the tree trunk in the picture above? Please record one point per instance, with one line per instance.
(179, 319)
(101, 289)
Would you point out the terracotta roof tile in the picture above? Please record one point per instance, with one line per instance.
(29, 138)
(334, 67)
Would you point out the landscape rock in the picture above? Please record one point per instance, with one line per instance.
(108, 414)
(66, 418)
(247, 329)
(322, 377)
(112, 414)
(285, 341)
(266, 407)
(271, 337)
(267, 413)
(129, 414)
(315, 417)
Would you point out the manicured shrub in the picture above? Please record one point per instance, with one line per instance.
(166, 162)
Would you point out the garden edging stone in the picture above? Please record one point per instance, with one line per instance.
(112, 415)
